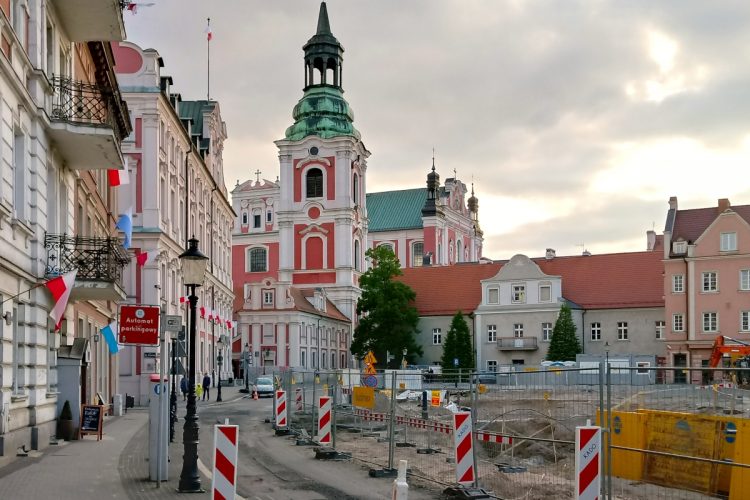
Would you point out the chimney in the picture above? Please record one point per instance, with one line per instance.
(673, 203)
(724, 204)
(650, 240)
(550, 254)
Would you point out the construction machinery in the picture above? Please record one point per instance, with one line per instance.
(735, 355)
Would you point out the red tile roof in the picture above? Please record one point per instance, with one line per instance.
(616, 280)
(690, 224)
(443, 290)
(620, 280)
(303, 305)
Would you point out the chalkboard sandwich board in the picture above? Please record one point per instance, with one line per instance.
(92, 420)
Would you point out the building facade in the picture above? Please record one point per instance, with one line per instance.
(177, 191)
(62, 120)
(706, 281)
(511, 307)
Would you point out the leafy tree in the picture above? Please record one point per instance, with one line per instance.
(564, 344)
(457, 344)
(388, 321)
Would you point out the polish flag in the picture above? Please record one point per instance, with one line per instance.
(208, 32)
(118, 177)
(60, 288)
(203, 312)
(133, 6)
(144, 258)
(184, 300)
(229, 324)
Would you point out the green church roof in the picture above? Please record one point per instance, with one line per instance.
(324, 112)
(394, 210)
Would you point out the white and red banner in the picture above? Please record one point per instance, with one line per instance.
(588, 462)
(324, 420)
(118, 177)
(281, 420)
(463, 448)
(224, 482)
(60, 288)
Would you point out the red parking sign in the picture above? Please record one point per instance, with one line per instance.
(139, 325)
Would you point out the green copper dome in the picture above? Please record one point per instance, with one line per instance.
(324, 112)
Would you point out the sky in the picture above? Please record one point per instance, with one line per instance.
(576, 120)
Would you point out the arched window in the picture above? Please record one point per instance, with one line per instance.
(417, 253)
(389, 246)
(244, 218)
(314, 183)
(356, 255)
(355, 188)
(257, 261)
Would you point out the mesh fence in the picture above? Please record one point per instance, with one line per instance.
(669, 438)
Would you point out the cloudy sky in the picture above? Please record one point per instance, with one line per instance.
(577, 120)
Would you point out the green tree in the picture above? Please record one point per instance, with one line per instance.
(457, 344)
(388, 321)
(564, 344)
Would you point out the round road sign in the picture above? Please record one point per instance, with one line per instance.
(370, 381)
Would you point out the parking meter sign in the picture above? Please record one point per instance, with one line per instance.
(139, 325)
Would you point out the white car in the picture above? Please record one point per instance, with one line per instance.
(264, 386)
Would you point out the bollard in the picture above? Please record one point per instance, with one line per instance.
(400, 489)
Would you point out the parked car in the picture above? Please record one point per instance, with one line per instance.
(487, 378)
(264, 386)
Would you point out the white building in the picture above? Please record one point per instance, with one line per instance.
(177, 191)
(61, 123)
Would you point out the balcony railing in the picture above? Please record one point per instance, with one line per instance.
(517, 344)
(97, 259)
(84, 103)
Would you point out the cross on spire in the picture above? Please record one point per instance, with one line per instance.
(257, 175)
(455, 174)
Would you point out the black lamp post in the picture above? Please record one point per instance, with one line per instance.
(173, 393)
(194, 265)
(219, 360)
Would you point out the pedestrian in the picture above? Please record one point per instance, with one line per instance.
(184, 388)
(198, 391)
(206, 386)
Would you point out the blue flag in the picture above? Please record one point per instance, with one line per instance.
(110, 335)
(125, 224)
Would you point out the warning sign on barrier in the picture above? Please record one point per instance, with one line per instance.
(588, 462)
(363, 397)
(463, 448)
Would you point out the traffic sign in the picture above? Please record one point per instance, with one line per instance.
(139, 325)
(363, 397)
(455, 361)
(172, 323)
(370, 381)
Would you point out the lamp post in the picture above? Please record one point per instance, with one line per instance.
(194, 265)
(247, 368)
(219, 360)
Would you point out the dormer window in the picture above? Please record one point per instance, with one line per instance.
(493, 296)
(728, 242)
(679, 247)
(518, 294)
(545, 292)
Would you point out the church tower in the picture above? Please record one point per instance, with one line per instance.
(322, 217)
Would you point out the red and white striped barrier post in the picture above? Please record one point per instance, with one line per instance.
(464, 448)
(588, 462)
(281, 421)
(324, 420)
(224, 483)
(298, 400)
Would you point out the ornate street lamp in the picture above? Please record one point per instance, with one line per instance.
(219, 360)
(194, 265)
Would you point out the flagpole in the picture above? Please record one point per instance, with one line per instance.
(208, 61)
(25, 291)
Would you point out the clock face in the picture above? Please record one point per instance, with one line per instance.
(314, 151)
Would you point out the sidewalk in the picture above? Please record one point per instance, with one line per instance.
(115, 467)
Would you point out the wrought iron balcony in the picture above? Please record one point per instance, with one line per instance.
(88, 123)
(517, 344)
(99, 262)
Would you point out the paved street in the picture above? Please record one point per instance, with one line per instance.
(270, 468)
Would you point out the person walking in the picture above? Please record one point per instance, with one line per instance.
(198, 391)
(184, 388)
(206, 386)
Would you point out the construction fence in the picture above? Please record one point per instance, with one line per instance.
(661, 439)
